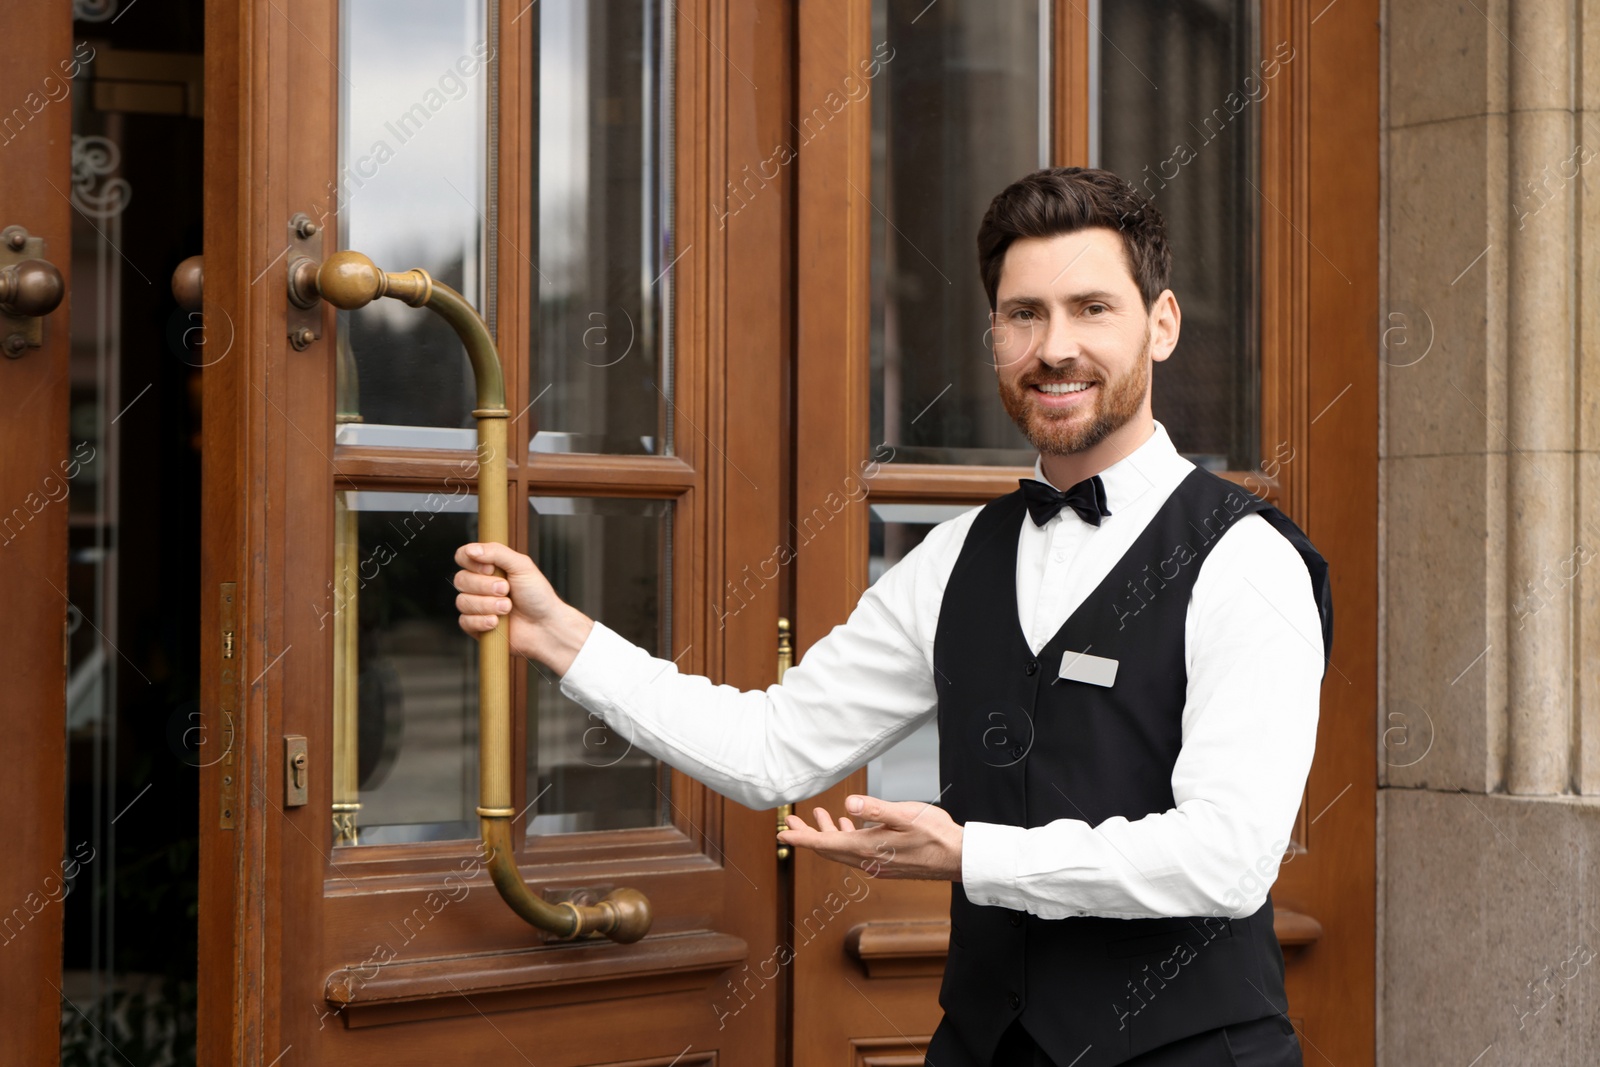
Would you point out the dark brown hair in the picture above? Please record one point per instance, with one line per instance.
(1068, 199)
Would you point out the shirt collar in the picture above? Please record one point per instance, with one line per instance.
(1155, 464)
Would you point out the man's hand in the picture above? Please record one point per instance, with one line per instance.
(913, 840)
(543, 626)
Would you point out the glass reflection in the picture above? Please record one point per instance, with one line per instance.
(610, 559)
(909, 770)
(1191, 146)
(410, 704)
(958, 113)
(604, 242)
(413, 191)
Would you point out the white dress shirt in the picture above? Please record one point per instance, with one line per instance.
(1254, 659)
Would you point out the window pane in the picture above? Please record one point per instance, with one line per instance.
(604, 244)
(909, 770)
(1180, 87)
(412, 192)
(411, 746)
(610, 559)
(957, 115)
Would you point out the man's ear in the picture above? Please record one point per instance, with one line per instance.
(1165, 321)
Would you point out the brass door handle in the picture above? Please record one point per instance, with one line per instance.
(188, 283)
(350, 280)
(31, 289)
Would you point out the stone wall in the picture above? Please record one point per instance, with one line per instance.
(1489, 846)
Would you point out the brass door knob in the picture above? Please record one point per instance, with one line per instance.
(349, 280)
(188, 283)
(30, 289)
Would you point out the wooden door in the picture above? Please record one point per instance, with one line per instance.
(35, 480)
(1278, 219)
(564, 166)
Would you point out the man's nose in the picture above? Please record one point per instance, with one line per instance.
(1059, 343)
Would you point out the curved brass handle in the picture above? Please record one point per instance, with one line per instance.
(350, 280)
(31, 289)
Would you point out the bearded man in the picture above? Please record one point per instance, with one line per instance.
(1124, 656)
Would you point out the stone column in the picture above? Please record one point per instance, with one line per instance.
(1541, 430)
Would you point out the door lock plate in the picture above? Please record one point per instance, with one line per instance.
(19, 333)
(295, 770)
(305, 247)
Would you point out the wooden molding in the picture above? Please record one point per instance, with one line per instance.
(404, 990)
(1294, 929)
(900, 949)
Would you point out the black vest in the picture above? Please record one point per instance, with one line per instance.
(1021, 748)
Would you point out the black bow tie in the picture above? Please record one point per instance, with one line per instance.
(1087, 498)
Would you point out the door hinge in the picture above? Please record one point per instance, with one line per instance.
(785, 661)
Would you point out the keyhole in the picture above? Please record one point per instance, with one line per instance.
(299, 770)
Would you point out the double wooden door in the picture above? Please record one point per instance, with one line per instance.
(724, 250)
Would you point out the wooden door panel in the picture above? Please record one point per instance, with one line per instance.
(1324, 892)
(405, 953)
(35, 144)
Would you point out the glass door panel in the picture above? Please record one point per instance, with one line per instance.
(406, 700)
(604, 239)
(909, 770)
(413, 190)
(1189, 143)
(959, 112)
(612, 560)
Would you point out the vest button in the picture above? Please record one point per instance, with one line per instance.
(1016, 1001)
(1017, 751)
(1016, 918)
(1033, 667)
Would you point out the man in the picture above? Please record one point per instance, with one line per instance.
(1125, 676)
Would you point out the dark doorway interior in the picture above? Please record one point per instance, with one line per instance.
(129, 962)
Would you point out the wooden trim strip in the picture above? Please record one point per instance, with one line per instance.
(930, 483)
(647, 851)
(941, 483)
(1070, 74)
(888, 949)
(545, 473)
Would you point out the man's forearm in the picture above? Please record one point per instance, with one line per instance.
(556, 640)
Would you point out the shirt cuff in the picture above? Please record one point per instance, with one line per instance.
(989, 853)
(604, 667)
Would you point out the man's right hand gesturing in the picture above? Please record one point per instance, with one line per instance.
(542, 625)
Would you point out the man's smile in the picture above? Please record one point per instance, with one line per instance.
(1062, 394)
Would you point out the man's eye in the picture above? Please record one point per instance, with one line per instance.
(1023, 314)
(1096, 309)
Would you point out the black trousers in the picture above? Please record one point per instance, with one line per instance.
(1265, 1042)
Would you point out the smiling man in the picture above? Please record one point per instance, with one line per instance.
(1123, 655)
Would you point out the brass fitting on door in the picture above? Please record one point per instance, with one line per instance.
(30, 288)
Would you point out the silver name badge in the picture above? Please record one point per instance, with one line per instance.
(1082, 667)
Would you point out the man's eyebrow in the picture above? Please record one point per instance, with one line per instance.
(1093, 295)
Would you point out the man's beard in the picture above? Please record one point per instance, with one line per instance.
(1068, 432)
